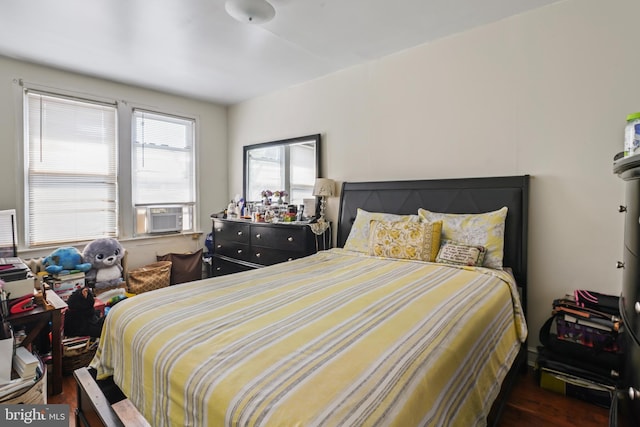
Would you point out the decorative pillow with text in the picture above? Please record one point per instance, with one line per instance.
(461, 254)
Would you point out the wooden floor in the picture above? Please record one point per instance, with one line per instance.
(528, 406)
(532, 406)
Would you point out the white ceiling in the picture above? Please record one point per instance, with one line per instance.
(193, 48)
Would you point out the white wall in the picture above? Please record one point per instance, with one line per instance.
(545, 93)
(211, 153)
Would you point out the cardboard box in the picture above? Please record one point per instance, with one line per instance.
(68, 285)
(20, 288)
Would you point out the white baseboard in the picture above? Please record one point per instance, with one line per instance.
(532, 355)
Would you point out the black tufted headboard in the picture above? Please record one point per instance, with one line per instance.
(464, 195)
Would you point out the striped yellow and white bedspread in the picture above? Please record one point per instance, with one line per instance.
(334, 339)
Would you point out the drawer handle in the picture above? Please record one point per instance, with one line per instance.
(239, 233)
(619, 264)
(239, 251)
(218, 246)
(637, 307)
(290, 239)
(258, 236)
(258, 255)
(622, 208)
(633, 393)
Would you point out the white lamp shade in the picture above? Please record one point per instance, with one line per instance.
(324, 187)
(250, 11)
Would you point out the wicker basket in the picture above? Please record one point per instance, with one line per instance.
(79, 358)
(35, 395)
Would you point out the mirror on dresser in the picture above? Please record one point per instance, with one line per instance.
(290, 164)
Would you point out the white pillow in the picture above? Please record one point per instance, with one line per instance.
(485, 229)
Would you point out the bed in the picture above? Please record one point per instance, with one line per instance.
(341, 337)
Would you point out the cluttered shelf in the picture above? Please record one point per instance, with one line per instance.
(582, 352)
(29, 315)
(28, 383)
(47, 311)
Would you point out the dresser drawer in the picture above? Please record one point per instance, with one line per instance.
(284, 238)
(632, 216)
(632, 375)
(631, 290)
(232, 250)
(223, 266)
(231, 231)
(268, 256)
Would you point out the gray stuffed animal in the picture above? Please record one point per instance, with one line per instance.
(105, 256)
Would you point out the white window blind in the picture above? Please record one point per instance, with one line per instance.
(71, 178)
(163, 158)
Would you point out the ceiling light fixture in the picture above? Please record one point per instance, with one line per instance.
(250, 11)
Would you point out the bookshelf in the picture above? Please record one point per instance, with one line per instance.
(36, 321)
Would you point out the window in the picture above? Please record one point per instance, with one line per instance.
(104, 169)
(163, 171)
(71, 169)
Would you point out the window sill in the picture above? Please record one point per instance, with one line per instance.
(46, 250)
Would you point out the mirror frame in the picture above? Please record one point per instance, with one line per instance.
(314, 137)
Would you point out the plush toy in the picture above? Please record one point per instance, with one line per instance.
(105, 256)
(81, 318)
(64, 259)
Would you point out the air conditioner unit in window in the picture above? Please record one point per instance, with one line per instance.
(163, 219)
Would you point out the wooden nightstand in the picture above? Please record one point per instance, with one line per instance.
(35, 321)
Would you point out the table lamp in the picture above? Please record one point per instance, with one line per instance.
(323, 188)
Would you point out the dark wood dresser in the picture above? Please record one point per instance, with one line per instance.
(241, 245)
(628, 169)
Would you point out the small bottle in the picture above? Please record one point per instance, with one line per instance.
(632, 135)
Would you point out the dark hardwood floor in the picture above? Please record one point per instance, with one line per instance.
(528, 406)
(68, 397)
(532, 406)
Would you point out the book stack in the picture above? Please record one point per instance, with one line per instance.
(65, 284)
(25, 363)
(584, 357)
(586, 326)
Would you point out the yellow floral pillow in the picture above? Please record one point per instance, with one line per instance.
(485, 229)
(358, 239)
(406, 240)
